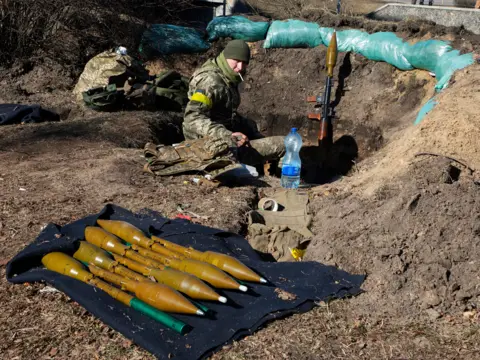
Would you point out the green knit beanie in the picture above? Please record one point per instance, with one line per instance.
(237, 50)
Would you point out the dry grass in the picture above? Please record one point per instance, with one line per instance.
(335, 332)
(284, 9)
(62, 26)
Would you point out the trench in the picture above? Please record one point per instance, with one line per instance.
(371, 101)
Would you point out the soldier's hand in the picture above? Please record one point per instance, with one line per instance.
(240, 139)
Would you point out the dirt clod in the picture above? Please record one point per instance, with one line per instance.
(285, 295)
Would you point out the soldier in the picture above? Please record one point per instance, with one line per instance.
(213, 102)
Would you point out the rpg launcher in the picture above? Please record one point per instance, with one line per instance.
(325, 133)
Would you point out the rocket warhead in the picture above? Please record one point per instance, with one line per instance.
(105, 240)
(91, 254)
(332, 51)
(126, 231)
(66, 265)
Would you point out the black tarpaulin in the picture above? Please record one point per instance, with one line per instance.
(23, 114)
(242, 315)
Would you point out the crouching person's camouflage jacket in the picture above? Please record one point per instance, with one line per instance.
(213, 101)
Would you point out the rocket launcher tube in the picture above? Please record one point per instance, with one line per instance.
(159, 296)
(325, 134)
(102, 239)
(126, 232)
(202, 270)
(66, 265)
(224, 262)
(183, 282)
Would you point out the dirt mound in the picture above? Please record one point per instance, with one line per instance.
(415, 238)
(451, 128)
(122, 129)
(409, 218)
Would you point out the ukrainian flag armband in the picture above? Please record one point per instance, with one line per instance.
(200, 97)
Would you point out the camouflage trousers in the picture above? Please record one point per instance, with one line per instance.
(257, 151)
(260, 148)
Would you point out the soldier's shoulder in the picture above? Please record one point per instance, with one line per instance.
(210, 76)
(208, 73)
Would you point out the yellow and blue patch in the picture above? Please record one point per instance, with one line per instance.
(200, 97)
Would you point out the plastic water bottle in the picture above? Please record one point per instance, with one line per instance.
(291, 162)
(121, 50)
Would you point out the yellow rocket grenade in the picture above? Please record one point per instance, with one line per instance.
(202, 270)
(66, 265)
(157, 295)
(183, 282)
(126, 232)
(332, 51)
(177, 280)
(225, 262)
(103, 239)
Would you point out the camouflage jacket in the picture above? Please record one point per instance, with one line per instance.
(213, 101)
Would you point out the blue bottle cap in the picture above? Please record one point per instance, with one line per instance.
(294, 130)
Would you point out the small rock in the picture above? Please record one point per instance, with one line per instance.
(469, 314)
(433, 314)
(430, 298)
(422, 342)
(48, 289)
(4, 262)
(454, 287)
(362, 345)
(53, 352)
(463, 295)
(126, 343)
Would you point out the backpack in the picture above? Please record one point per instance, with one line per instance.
(108, 68)
(112, 81)
(104, 98)
(166, 91)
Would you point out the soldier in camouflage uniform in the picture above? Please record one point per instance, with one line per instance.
(213, 102)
